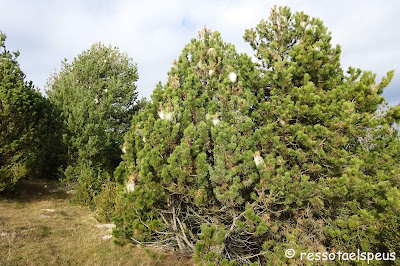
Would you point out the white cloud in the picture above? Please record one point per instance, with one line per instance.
(153, 33)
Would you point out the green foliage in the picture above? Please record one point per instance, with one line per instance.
(236, 162)
(28, 127)
(331, 155)
(105, 202)
(96, 96)
(232, 161)
(188, 154)
(87, 182)
(209, 247)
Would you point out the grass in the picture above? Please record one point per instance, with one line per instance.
(32, 235)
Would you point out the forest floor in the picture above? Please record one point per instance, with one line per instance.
(39, 226)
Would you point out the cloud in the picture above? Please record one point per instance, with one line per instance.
(153, 33)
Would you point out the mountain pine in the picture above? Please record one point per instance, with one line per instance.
(96, 96)
(29, 140)
(235, 161)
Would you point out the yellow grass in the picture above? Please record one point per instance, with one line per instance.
(68, 235)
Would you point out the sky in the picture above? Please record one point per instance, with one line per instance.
(153, 33)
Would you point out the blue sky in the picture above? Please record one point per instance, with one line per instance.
(153, 33)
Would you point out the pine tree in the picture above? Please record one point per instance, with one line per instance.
(185, 153)
(96, 96)
(27, 123)
(235, 161)
(330, 146)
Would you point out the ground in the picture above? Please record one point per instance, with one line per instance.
(39, 226)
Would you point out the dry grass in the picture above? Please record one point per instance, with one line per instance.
(68, 235)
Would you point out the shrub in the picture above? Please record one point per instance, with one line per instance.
(106, 202)
(96, 96)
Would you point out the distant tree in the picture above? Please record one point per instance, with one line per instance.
(236, 162)
(96, 96)
(27, 125)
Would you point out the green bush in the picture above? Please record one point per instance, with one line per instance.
(106, 202)
(28, 125)
(95, 95)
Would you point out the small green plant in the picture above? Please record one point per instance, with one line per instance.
(42, 231)
(105, 201)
